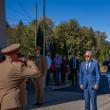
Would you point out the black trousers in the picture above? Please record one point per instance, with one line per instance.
(47, 77)
(74, 77)
(63, 76)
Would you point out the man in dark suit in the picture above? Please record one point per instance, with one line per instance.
(74, 66)
(89, 78)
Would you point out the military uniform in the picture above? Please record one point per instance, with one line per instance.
(12, 78)
(41, 63)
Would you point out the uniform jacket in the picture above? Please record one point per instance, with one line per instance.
(41, 63)
(12, 76)
(91, 77)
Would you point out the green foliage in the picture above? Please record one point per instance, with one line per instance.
(65, 50)
(68, 38)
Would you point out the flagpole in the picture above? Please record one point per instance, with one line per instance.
(44, 31)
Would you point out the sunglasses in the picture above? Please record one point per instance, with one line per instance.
(87, 56)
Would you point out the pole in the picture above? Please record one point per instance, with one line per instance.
(44, 36)
(3, 38)
(36, 25)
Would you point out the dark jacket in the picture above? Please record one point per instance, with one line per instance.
(71, 64)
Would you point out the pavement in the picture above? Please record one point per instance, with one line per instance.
(77, 104)
(67, 97)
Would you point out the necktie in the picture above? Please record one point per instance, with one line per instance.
(87, 68)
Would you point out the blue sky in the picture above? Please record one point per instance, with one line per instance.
(90, 13)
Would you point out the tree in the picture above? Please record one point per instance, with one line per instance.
(40, 39)
(65, 50)
(67, 38)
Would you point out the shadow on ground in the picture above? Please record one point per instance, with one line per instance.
(52, 97)
(63, 95)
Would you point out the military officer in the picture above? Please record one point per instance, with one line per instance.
(40, 61)
(12, 76)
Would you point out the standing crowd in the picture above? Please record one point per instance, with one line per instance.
(62, 69)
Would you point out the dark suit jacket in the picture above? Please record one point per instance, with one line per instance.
(71, 64)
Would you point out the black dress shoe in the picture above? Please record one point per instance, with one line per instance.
(38, 104)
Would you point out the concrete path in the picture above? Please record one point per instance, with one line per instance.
(71, 101)
(69, 98)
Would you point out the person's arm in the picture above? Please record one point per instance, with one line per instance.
(78, 64)
(81, 77)
(31, 70)
(97, 73)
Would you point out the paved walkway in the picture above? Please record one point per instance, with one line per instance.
(70, 101)
(69, 98)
